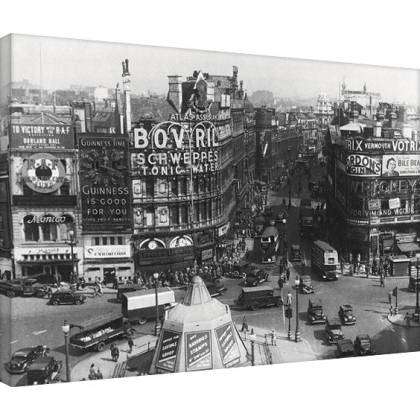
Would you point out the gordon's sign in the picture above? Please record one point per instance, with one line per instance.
(363, 165)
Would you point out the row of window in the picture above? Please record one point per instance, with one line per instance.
(47, 230)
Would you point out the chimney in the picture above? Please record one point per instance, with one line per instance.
(402, 114)
(175, 92)
(414, 135)
(377, 129)
(393, 119)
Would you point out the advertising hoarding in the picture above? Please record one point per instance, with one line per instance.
(168, 350)
(198, 350)
(228, 345)
(400, 165)
(104, 181)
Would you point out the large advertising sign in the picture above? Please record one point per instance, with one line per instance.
(397, 165)
(41, 136)
(168, 350)
(393, 145)
(198, 350)
(104, 181)
(363, 165)
(43, 173)
(172, 148)
(228, 345)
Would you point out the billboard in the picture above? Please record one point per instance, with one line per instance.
(198, 349)
(168, 350)
(41, 136)
(400, 165)
(228, 345)
(104, 181)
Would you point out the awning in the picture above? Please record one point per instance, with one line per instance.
(408, 247)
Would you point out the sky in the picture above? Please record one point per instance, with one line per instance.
(61, 62)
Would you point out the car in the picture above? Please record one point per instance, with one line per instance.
(281, 217)
(64, 297)
(268, 211)
(23, 358)
(259, 296)
(44, 370)
(255, 277)
(345, 348)
(363, 345)
(305, 284)
(240, 269)
(295, 254)
(305, 203)
(23, 287)
(330, 276)
(333, 329)
(315, 312)
(346, 315)
(412, 283)
(215, 289)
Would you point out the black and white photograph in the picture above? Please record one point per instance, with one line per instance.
(169, 208)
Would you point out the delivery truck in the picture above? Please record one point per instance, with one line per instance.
(139, 307)
(96, 332)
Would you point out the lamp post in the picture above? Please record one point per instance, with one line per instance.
(252, 337)
(66, 329)
(72, 242)
(289, 315)
(417, 311)
(157, 326)
(297, 334)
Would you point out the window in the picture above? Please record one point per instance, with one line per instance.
(65, 189)
(49, 230)
(174, 215)
(31, 229)
(120, 240)
(184, 214)
(66, 227)
(150, 187)
(1, 222)
(174, 186)
(112, 240)
(96, 241)
(104, 241)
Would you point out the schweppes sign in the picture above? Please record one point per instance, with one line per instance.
(363, 165)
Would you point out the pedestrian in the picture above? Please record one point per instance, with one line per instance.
(280, 282)
(407, 320)
(287, 273)
(130, 343)
(92, 373)
(244, 325)
(391, 311)
(115, 352)
(289, 299)
(382, 279)
(273, 337)
(367, 270)
(99, 374)
(390, 297)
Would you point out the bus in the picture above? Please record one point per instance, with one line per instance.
(306, 222)
(270, 243)
(324, 260)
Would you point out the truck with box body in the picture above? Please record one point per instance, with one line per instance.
(140, 306)
(259, 296)
(96, 332)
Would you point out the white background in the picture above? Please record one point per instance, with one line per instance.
(380, 33)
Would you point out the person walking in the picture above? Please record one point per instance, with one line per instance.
(289, 299)
(390, 297)
(244, 325)
(391, 311)
(115, 352)
(407, 320)
(130, 343)
(287, 273)
(92, 373)
(273, 337)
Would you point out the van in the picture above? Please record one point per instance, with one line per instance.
(259, 296)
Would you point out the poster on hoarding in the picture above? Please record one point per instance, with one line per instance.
(198, 350)
(104, 181)
(168, 351)
(398, 165)
(228, 345)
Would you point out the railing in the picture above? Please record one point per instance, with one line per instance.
(267, 351)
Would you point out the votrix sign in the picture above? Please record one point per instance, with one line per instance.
(104, 181)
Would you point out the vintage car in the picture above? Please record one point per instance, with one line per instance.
(315, 312)
(345, 348)
(330, 276)
(215, 289)
(255, 277)
(333, 330)
(240, 269)
(346, 315)
(22, 358)
(363, 345)
(65, 297)
(268, 211)
(305, 284)
(23, 287)
(412, 283)
(259, 296)
(295, 254)
(44, 370)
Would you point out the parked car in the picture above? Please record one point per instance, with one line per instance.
(330, 276)
(44, 370)
(346, 315)
(363, 345)
(345, 348)
(215, 289)
(305, 285)
(412, 284)
(259, 296)
(315, 312)
(23, 287)
(23, 358)
(64, 297)
(255, 277)
(295, 254)
(240, 269)
(268, 211)
(333, 330)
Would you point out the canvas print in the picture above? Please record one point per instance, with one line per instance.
(166, 210)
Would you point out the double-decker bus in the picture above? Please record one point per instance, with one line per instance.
(324, 260)
(270, 242)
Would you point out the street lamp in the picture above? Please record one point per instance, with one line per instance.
(72, 242)
(417, 311)
(157, 325)
(66, 329)
(297, 334)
